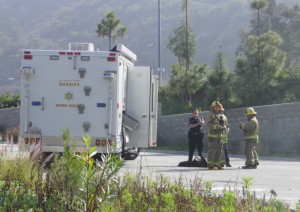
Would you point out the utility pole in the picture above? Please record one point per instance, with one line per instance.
(158, 46)
(187, 65)
(221, 75)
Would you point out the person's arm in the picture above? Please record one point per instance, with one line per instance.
(199, 123)
(194, 125)
(202, 122)
(248, 126)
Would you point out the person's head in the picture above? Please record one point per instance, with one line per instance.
(221, 108)
(250, 113)
(195, 112)
(214, 106)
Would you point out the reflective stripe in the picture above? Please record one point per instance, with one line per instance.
(214, 136)
(252, 137)
(217, 136)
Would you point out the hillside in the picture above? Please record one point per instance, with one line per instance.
(52, 24)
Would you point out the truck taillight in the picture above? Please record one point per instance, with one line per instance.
(26, 140)
(32, 140)
(111, 57)
(103, 142)
(97, 142)
(37, 140)
(27, 57)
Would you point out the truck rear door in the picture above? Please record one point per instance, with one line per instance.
(142, 106)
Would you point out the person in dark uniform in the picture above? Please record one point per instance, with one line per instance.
(195, 134)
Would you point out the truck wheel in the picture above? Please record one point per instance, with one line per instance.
(48, 158)
(131, 154)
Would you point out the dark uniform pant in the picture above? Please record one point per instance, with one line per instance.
(225, 156)
(195, 141)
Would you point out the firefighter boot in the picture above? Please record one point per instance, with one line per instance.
(228, 164)
(247, 167)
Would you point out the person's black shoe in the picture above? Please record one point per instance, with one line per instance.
(247, 167)
(256, 163)
(228, 165)
(254, 167)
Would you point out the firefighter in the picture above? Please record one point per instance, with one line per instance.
(215, 134)
(195, 134)
(225, 157)
(251, 131)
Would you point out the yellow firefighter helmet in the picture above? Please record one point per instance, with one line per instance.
(250, 111)
(213, 104)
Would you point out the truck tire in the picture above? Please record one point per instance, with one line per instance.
(131, 154)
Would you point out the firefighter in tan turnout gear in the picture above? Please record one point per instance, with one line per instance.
(216, 134)
(251, 130)
(224, 122)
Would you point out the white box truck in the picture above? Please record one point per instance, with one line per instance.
(97, 93)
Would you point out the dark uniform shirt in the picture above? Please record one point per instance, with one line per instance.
(195, 130)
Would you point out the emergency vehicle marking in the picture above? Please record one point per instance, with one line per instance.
(69, 83)
(66, 105)
(68, 96)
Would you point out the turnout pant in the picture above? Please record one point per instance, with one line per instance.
(251, 154)
(215, 147)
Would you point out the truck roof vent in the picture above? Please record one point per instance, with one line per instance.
(81, 47)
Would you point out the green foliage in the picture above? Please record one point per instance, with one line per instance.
(172, 96)
(268, 55)
(258, 77)
(74, 181)
(110, 27)
(247, 183)
(90, 182)
(178, 44)
(298, 206)
(228, 201)
(221, 82)
(18, 178)
(259, 4)
(8, 100)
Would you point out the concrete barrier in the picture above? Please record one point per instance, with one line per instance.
(279, 129)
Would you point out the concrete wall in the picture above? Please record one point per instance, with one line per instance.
(10, 117)
(279, 129)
